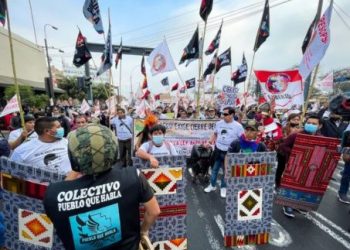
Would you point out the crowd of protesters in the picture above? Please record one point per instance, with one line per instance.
(43, 140)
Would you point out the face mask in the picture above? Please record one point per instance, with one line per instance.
(59, 133)
(158, 139)
(310, 128)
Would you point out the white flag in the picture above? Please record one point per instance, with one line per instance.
(318, 45)
(11, 106)
(160, 59)
(91, 12)
(97, 109)
(326, 84)
(85, 107)
(111, 104)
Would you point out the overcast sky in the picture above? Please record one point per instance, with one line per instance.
(145, 23)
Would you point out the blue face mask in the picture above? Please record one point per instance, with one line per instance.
(59, 133)
(310, 128)
(158, 139)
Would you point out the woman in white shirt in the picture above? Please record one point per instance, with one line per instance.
(157, 146)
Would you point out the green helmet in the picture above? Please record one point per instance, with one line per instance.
(92, 149)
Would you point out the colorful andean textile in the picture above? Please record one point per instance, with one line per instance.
(27, 227)
(168, 182)
(310, 167)
(249, 200)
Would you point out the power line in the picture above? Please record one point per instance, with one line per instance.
(341, 18)
(227, 22)
(341, 9)
(189, 27)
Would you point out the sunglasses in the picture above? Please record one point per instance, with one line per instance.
(225, 114)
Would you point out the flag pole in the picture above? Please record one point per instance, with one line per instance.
(231, 70)
(317, 18)
(14, 67)
(310, 91)
(200, 62)
(120, 80)
(248, 82)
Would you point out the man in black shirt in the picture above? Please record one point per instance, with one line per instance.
(97, 207)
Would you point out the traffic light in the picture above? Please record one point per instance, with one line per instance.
(81, 83)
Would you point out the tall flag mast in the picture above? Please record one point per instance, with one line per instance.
(4, 14)
(204, 12)
(261, 36)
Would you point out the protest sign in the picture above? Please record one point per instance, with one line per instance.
(183, 134)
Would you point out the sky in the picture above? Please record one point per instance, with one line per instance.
(146, 23)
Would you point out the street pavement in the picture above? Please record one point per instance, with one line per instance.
(326, 229)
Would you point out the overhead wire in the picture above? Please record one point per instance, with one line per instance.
(212, 26)
(341, 18)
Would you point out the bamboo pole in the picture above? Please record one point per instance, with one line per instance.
(310, 92)
(200, 68)
(14, 68)
(248, 82)
(120, 81)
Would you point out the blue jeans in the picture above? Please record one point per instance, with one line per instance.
(345, 179)
(219, 158)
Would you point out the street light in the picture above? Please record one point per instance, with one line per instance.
(52, 95)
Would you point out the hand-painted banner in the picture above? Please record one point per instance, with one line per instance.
(183, 134)
(228, 97)
(284, 86)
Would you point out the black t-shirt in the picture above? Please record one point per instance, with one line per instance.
(100, 213)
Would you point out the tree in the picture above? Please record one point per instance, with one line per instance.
(100, 91)
(70, 85)
(28, 98)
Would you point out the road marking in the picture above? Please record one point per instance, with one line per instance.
(279, 237)
(331, 223)
(214, 243)
(332, 189)
(221, 224)
(336, 183)
(329, 231)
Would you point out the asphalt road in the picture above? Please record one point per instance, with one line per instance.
(326, 229)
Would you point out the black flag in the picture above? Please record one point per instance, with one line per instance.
(264, 28)
(205, 9)
(165, 81)
(308, 35)
(82, 54)
(223, 60)
(3, 11)
(191, 51)
(211, 66)
(215, 43)
(191, 83)
(240, 74)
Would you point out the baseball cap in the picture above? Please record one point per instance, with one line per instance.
(250, 123)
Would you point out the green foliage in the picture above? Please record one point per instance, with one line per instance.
(70, 85)
(27, 96)
(26, 92)
(100, 91)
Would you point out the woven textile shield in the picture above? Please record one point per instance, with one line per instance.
(249, 199)
(27, 227)
(168, 183)
(309, 169)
